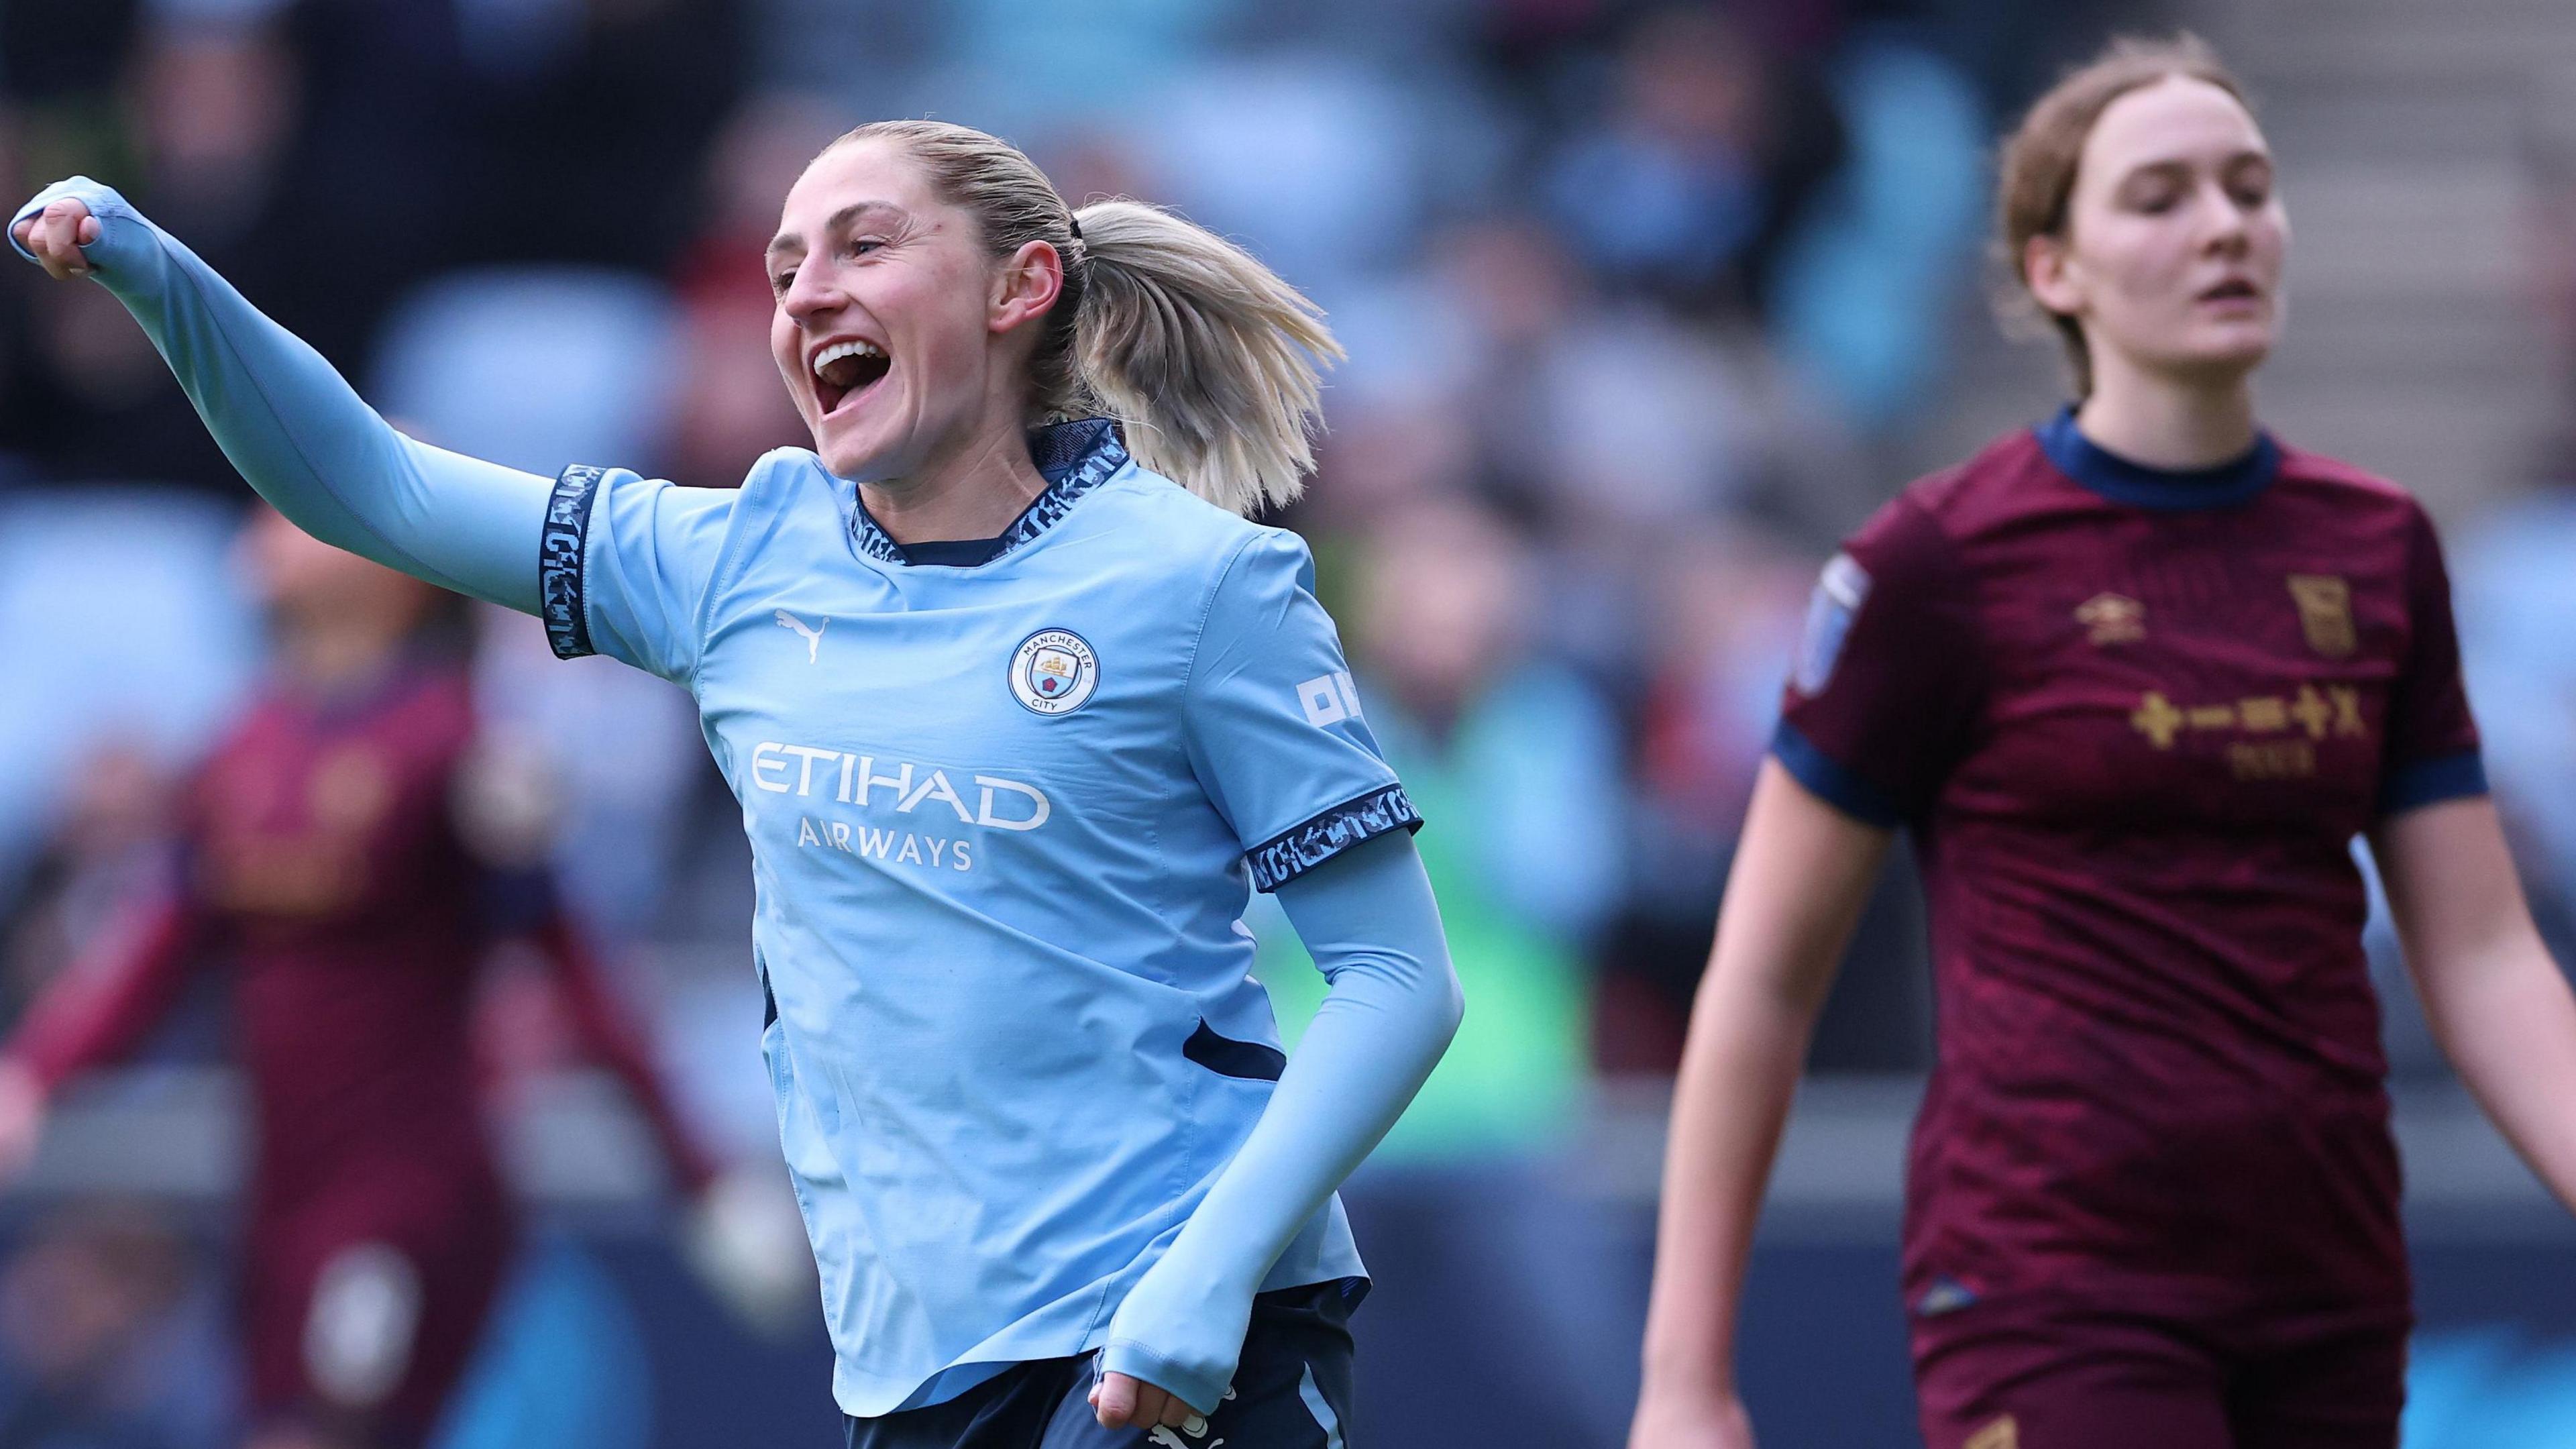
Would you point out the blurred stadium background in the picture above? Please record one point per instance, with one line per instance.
(1646, 305)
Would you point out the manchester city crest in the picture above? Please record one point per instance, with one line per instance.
(1054, 672)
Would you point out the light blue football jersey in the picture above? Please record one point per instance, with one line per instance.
(1005, 820)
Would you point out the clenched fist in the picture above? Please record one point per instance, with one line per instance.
(56, 236)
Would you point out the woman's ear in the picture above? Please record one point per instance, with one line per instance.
(2048, 269)
(1025, 286)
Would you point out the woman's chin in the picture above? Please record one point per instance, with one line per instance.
(858, 459)
(2220, 362)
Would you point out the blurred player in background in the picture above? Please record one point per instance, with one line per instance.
(348, 866)
(1017, 721)
(2136, 678)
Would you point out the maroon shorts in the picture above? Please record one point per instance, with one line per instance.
(2019, 1374)
(360, 1319)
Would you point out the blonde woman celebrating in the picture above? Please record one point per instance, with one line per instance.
(1019, 709)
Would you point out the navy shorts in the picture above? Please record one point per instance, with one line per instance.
(1292, 1390)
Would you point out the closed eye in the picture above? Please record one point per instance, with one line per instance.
(2157, 200)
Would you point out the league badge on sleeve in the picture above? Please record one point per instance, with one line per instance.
(1840, 591)
(1054, 672)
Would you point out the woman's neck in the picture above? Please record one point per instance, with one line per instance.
(974, 491)
(2163, 421)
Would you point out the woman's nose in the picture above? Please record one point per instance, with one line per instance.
(810, 295)
(2227, 223)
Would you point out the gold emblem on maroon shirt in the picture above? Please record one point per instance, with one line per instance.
(2003, 1433)
(2335, 710)
(2112, 619)
(2325, 613)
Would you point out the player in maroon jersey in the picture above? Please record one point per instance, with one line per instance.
(325, 869)
(2134, 679)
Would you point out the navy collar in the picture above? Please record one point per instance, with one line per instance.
(1073, 457)
(2136, 484)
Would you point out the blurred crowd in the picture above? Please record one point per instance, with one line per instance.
(1639, 299)
(1646, 305)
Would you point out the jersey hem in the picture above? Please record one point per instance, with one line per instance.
(563, 560)
(1308, 844)
(1831, 781)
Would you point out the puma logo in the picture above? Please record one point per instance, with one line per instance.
(813, 636)
(1162, 1437)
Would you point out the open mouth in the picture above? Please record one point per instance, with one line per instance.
(844, 370)
(2234, 289)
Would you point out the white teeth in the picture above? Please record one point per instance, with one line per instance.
(839, 350)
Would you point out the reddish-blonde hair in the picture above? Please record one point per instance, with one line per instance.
(2035, 176)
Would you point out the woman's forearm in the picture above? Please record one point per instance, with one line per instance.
(2494, 998)
(300, 435)
(2508, 1024)
(1802, 871)
(1370, 922)
(1730, 1104)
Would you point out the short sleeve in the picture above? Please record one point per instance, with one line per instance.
(1890, 674)
(2432, 752)
(1273, 722)
(625, 564)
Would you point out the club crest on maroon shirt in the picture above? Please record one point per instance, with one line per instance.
(2325, 613)
(2112, 619)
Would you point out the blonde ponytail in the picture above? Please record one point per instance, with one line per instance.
(1206, 358)
(1206, 355)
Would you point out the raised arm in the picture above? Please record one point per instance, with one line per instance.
(1801, 875)
(2495, 999)
(287, 420)
(1368, 918)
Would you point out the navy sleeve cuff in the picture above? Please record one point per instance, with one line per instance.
(1300, 848)
(1829, 780)
(562, 559)
(2429, 782)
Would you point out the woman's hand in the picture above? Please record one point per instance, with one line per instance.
(1184, 1324)
(56, 236)
(1121, 1402)
(22, 1118)
(1681, 1421)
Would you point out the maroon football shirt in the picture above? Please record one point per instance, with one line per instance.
(327, 873)
(2135, 719)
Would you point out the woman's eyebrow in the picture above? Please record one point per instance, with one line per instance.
(789, 241)
(2181, 166)
(2171, 166)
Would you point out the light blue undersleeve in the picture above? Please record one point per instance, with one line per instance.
(298, 432)
(1369, 920)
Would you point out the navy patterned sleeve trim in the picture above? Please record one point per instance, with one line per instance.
(2429, 782)
(560, 557)
(1300, 848)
